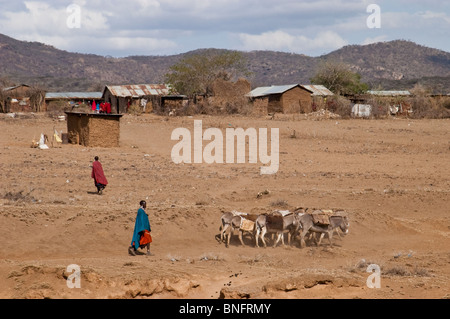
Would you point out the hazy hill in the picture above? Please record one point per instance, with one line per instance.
(390, 65)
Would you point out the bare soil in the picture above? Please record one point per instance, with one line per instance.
(392, 177)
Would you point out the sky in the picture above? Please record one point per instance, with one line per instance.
(166, 27)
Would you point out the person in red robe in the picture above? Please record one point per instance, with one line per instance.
(94, 106)
(108, 108)
(98, 176)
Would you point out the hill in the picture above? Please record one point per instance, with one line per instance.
(389, 65)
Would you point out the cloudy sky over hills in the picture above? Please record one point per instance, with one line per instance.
(162, 27)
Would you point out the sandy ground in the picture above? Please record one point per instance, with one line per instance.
(391, 176)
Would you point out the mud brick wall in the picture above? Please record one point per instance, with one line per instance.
(93, 130)
(297, 100)
(261, 106)
(275, 104)
(103, 132)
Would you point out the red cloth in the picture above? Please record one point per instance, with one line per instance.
(97, 173)
(146, 238)
(94, 106)
(108, 107)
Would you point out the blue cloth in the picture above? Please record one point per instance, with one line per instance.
(142, 223)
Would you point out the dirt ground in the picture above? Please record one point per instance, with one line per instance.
(392, 177)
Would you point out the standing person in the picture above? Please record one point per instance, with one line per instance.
(108, 107)
(98, 176)
(141, 235)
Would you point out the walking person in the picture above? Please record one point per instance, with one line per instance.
(141, 234)
(98, 176)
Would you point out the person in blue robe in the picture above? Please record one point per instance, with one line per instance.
(141, 234)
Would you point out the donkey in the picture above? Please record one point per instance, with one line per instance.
(337, 223)
(307, 225)
(277, 223)
(245, 223)
(225, 223)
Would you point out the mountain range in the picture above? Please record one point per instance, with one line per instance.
(394, 65)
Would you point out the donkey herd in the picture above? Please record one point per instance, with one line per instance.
(301, 223)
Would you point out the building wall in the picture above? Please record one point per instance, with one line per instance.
(93, 130)
(296, 100)
(119, 105)
(275, 104)
(261, 106)
(103, 132)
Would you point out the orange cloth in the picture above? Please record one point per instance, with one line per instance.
(146, 238)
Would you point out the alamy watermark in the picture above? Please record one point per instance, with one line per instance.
(213, 152)
(374, 280)
(73, 280)
(374, 20)
(74, 16)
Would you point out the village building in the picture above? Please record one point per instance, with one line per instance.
(70, 99)
(293, 98)
(171, 103)
(93, 129)
(21, 98)
(142, 97)
(320, 96)
(375, 102)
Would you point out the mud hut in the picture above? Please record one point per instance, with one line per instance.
(93, 129)
(320, 96)
(282, 99)
(173, 103)
(22, 98)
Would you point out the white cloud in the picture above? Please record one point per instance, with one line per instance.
(302, 26)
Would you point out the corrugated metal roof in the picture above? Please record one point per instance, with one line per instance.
(257, 92)
(139, 90)
(318, 90)
(74, 95)
(269, 90)
(15, 87)
(389, 93)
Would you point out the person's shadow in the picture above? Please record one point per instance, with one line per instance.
(92, 193)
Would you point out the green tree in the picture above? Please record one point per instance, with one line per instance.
(338, 78)
(195, 73)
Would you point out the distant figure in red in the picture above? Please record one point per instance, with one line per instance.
(105, 108)
(94, 106)
(98, 176)
(108, 108)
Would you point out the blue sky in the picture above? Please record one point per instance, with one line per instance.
(165, 27)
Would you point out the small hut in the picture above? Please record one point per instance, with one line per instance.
(320, 96)
(93, 129)
(22, 98)
(282, 99)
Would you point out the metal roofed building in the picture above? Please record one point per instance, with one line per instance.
(389, 93)
(318, 90)
(292, 98)
(270, 90)
(71, 98)
(122, 97)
